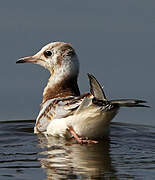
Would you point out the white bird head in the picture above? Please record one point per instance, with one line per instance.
(58, 57)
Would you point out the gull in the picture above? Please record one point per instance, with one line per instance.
(64, 111)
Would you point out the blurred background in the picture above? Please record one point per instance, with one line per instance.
(115, 41)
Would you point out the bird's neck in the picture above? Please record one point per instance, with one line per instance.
(61, 88)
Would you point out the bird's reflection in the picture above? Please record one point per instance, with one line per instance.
(68, 160)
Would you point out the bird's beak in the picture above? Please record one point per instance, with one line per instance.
(29, 59)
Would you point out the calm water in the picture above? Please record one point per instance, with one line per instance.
(128, 153)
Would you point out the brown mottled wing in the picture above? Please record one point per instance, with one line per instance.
(56, 109)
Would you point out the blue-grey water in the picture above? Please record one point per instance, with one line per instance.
(128, 153)
(115, 41)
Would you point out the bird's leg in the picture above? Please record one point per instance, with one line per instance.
(80, 140)
(71, 130)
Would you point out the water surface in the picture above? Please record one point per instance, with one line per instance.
(128, 153)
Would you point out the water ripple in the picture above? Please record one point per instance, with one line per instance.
(128, 153)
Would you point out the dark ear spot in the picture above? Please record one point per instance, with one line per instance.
(70, 52)
(67, 50)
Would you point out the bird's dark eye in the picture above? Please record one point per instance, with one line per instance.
(47, 53)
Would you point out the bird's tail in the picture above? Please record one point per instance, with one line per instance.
(100, 98)
(129, 103)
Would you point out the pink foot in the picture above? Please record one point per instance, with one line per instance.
(80, 140)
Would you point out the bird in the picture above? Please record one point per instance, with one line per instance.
(65, 112)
